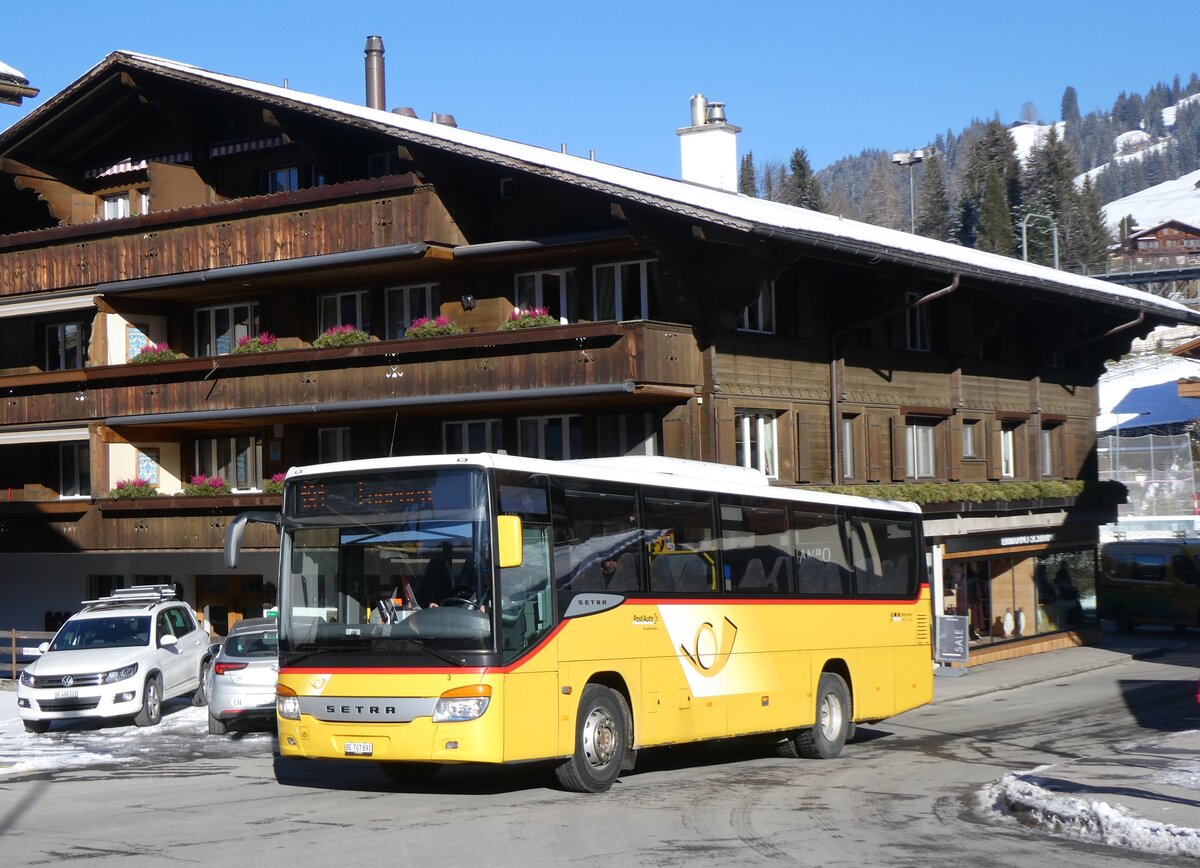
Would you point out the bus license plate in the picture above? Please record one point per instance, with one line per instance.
(359, 748)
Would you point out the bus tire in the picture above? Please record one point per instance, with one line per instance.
(826, 737)
(601, 741)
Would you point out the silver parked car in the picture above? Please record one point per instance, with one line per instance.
(243, 676)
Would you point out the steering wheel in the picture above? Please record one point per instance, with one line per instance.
(462, 597)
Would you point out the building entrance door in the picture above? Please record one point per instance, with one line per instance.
(225, 600)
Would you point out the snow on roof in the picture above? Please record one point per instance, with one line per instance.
(7, 71)
(731, 209)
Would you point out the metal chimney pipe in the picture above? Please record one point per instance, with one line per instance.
(374, 68)
(699, 110)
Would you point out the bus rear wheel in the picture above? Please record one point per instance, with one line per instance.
(601, 741)
(828, 734)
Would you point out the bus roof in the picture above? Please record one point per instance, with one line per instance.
(632, 469)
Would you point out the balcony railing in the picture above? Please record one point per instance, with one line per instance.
(640, 356)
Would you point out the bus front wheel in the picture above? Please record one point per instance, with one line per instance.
(601, 741)
(826, 737)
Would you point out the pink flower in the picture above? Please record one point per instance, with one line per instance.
(442, 321)
(420, 321)
(278, 477)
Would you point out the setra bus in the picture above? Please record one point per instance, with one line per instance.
(495, 609)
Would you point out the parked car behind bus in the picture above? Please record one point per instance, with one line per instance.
(243, 676)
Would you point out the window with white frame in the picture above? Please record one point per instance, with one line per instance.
(626, 434)
(219, 328)
(1050, 447)
(917, 322)
(623, 290)
(75, 470)
(1008, 451)
(345, 308)
(921, 443)
(970, 438)
(115, 207)
(555, 290)
(760, 316)
(66, 345)
(554, 437)
(408, 303)
(472, 435)
(333, 444)
(236, 459)
(848, 455)
(755, 440)
(143, 197)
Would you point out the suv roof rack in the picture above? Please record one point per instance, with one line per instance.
(147, 595)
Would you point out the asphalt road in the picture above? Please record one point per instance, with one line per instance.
(906, 792)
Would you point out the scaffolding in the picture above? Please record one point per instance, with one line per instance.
(1159, 473)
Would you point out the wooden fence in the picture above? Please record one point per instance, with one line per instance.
(19, 647)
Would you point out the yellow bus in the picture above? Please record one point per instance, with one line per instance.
(496, 609)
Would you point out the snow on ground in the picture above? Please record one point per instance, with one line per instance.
(1020, 798)
(1171, 200)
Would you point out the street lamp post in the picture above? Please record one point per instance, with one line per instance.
(1025, 235)
(910, 159)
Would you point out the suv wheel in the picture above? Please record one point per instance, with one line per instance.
(151, 712)
(200, 697)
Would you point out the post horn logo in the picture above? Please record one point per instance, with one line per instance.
(710, 651)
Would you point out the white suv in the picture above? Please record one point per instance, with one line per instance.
(119, 657)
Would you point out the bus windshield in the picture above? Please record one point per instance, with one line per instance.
(394, 563)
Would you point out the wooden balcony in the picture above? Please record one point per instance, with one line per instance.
(355, 216)
(641, 361)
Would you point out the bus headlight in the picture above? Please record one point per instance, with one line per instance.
(462, 703)
(287, 703)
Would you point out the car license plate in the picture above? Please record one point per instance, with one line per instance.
(359, 748)
(66, 694)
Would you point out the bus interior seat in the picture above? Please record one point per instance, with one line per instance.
(819, 577)
(590, 578)
(754, 578)
(625, 578)
(694, 576)
(662, 574)
(780, 577)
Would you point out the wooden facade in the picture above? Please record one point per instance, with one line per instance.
(683, 330)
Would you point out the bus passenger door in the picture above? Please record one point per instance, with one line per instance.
(525, 615)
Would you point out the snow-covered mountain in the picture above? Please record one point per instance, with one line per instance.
(1170, 200)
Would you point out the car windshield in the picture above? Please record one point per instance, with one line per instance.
(394, 563)
(117, 631)
(258, 644)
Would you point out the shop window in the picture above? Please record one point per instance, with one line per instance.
(408, 303)
(345, 308)
(755, 441)
(67, 346)
(921, 444)
(627, 434)
(760, 316)
(333, 444)
(75, 470)
(623, 290)
(555, 290)
(236, 459)
(473, 435)
(219, 329)
(554, 437)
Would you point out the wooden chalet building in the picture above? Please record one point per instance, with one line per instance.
(1170, 244)
(152, 202)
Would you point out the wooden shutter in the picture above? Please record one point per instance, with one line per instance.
(878, 447)
(899, 449)
(992, 435)
(954, 456)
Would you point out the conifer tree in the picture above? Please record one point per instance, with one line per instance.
(933, 206)
(747, 181)
(995, 230)
(801, 187)
(992, 151)
(1070, 106)
(1087, 237)
(882, 204)
(1048, 193)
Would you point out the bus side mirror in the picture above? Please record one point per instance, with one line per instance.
(235, 529)
(508, 537)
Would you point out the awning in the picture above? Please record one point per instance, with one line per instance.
(1153, 406)
(43, 435)
(34, 307)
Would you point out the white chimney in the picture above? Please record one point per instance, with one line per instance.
(708, 148)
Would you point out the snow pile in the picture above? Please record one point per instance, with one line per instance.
(1018, 797)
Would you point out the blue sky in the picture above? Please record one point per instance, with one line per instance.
(616, 76)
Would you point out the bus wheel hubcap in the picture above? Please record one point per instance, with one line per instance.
(599, 738)
(830, 718)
